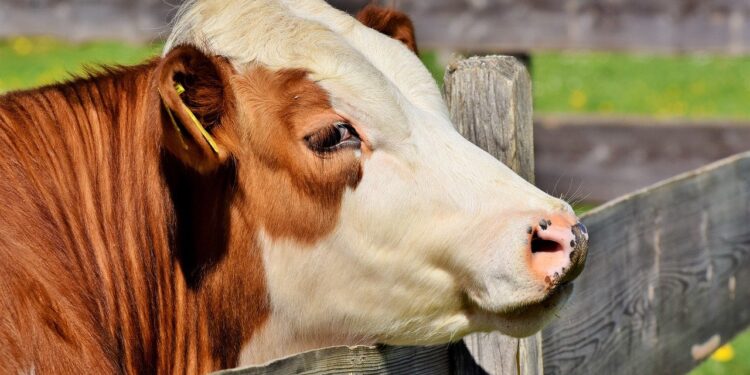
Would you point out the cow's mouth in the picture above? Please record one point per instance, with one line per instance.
(555, 298)
(526, 319)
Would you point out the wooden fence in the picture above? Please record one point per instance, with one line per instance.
(661, 26)
(665, 26)
(132, 20)
(605, 157)
(666, 281)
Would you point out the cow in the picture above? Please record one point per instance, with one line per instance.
(283, 178)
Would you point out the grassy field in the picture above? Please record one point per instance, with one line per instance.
(696, 87)
(26, 62)
(685, 86)
(664, 86)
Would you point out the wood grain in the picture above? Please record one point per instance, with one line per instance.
(668, 270)
(490, 104)
(359, 360)
(489, 99)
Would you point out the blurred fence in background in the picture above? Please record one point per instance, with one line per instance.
(633, 25)
(667, 26)
(78, 20)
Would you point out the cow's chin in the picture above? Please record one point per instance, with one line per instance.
(524, 320)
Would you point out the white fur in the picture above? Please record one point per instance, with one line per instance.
(434, 222)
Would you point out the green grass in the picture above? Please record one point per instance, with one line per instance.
(583, 207)
(665, 86)
(684, 86)
(28, 62)
(734, 359)
(698, 87)
(648, 85)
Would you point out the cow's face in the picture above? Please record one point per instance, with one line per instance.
(376, 221)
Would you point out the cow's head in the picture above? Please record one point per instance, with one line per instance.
(375, 220)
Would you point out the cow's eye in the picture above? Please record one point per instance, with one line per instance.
(335, 137)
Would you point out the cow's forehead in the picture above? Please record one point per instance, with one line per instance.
(369, 76)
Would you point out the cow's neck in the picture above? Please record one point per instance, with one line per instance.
(278, 339)
(160, 286)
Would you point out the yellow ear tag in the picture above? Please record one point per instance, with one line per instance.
(206, 135)
(179, 88)
(174, 122)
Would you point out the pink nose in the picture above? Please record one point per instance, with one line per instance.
(559, 245)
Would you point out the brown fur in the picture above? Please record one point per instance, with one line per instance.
(124, 252)
(390, 22)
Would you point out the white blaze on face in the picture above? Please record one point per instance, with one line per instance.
(433, 242)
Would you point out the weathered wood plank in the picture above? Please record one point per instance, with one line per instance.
(359, 360)
(490, 101)
(666, 279)
(490, 104)
(602, 158)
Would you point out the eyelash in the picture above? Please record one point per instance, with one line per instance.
(338, 136)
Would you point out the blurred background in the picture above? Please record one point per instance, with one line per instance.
(626, 92)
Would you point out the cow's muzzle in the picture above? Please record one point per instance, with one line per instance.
(559, 245)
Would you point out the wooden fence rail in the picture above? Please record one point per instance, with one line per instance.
(666, 281)
(603, 158)
(661, 26)
(665, 26)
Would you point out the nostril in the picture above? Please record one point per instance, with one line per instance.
(544, 246)
(540, 245)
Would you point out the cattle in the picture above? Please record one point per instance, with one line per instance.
(284, 178)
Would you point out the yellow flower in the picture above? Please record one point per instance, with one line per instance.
(22, 46)
(578, 99)
(723, 354)
(697, 88)
(677, 107)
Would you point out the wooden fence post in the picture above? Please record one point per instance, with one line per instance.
(490, 102)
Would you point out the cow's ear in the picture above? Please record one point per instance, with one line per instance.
(195, 105)
(390, 22)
